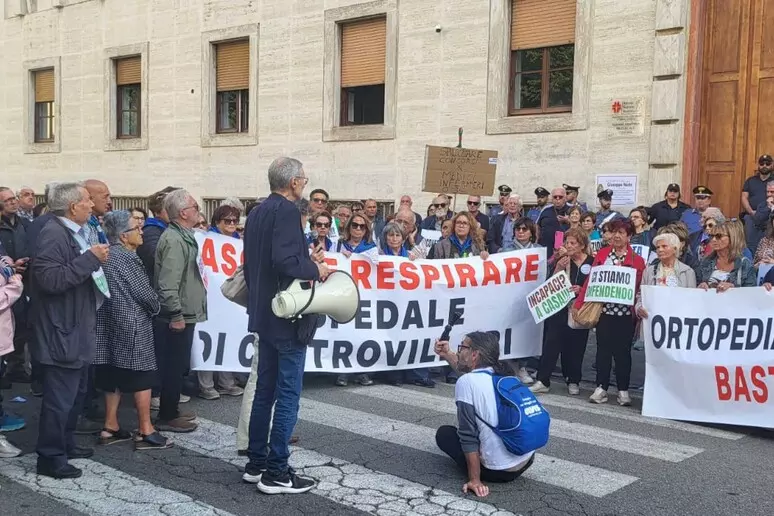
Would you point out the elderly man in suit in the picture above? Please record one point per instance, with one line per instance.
(276, 254)
(70, 287)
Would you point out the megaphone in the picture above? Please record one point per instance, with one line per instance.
(337, 297)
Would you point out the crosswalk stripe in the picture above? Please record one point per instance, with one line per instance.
(582, 478)
(555, 400)
(341, 481)
(587, 434)
(103, 490)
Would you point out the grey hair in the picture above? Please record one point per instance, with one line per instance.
(669, 239)
(715, 214)
(515, 197)
(63, 195)
(175, 202)
(488, 347)
(282, 171)
(234, 202)
(116, 223)
(391, 228)
(20, 190)
(49, 187)
(303, 206)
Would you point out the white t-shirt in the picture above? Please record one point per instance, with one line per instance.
(476, 389)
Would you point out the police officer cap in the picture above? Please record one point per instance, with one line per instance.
(541, 192)
(570, 188)
(605, 194)
(702, 190)
(504, 189)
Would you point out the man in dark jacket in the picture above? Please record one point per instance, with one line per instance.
(275, 255)
(69, 290)
(153, 228)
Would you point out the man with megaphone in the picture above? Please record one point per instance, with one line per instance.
(276, 254)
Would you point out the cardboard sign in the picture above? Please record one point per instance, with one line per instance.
(455, 170)
(550, 297)
(612, 284)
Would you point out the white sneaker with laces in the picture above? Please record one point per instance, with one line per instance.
(539, 388)
(623, 399)
(524, 377)
(8, 450)
(599, 396)
(573, 389)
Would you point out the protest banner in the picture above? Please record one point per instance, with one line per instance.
(595, 245)
(550, 297)
(612, 284)
(404, 306)
(456, 170)
(642, 250)
(709, 356)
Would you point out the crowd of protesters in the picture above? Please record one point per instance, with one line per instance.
(94, 300)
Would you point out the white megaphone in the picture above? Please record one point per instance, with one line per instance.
(336, 297)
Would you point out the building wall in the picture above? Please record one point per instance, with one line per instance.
(442, 84)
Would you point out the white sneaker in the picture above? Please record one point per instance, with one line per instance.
(183, 399)
(209, 394)
(623, 399)
(599, 396)
(155, 403)
(539, 388)
(8, 450)
(524, 377)
(573, 389)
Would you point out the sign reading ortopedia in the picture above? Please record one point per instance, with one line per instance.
(612, 284)
(550, 297)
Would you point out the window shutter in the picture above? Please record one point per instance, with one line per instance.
(128, 71)
(44, 86)
(232, 65)
(363, 51)
(542, 23)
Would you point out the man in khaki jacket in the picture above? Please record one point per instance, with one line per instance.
(183, 298)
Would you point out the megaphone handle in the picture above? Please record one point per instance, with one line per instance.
(300, 313)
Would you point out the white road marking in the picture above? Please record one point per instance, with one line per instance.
(587, 434)
(581, 478)
(103, 490)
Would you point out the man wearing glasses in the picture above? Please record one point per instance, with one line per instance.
(702, 197)
(318, 203)
(505, 192)
(442, 212)
(553, 220)
(474, 207)
(753, 194)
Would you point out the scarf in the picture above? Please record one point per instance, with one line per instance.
(94, 226)
(403, 251)
(187, 234)
(463, 248)
(362, 247)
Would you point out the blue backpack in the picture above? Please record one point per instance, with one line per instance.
(522, 422)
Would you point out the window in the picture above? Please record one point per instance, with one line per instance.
(363, 54)
(44, 106)
(542, 56)
(232, 68)
(128, 92)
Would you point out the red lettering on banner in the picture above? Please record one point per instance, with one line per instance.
(467, 273)
(761, 392)
(741, 385)
(533, 268)
(448, 274)
(332, 263)
(385, 273)
(361, 270)
(410, 279)
(724, 387)
(512, 269)
(208, 255)
(228, 252)
(491, 274)
(242, 258)
(431, 274)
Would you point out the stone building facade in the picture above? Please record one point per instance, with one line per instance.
(446, 64)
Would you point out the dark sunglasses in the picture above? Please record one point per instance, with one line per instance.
(765, 162)
(718, 236)
(322, 224)
(558, 196)
(443, 205)
(230, 221)
(355, 225)
(701, 197)
(319, 199)
(522, 228)
(473, 203)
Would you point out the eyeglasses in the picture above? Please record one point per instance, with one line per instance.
(522, 228)
(718, 236)
(355, 225)
(462, 346)
(135, 228)
(193, 206)
(709, 225)
(442, 205)
(230, 221)
(558, 196)
(701, 197)
(322, 225)
(764, 162)
(319, 199)
(305, 180)
(473, 203)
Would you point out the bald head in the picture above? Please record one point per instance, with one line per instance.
(100, 196)
(406, 219)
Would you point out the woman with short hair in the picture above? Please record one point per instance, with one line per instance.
(666, 270)
(224, 220)
(726, 266)
(639, 219)
(393, 241)
(524, 236)
(125, 356)
(321, 227)
(574, 217)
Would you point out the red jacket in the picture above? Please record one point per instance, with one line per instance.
(632, 259)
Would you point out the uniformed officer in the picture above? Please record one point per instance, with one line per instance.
(542, 200)
(605, 197)
(505, 192)
(702, 199)
(572, 197)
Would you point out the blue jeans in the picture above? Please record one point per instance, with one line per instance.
(280, 379)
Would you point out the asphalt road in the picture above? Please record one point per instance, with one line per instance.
(373, 451)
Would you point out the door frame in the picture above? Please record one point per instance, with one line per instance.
(694, 93)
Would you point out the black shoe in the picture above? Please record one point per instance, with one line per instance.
(86, 427)
(253, 474)
(80, 453)
(242, 453)
(424, 383)
(289, 483)
(66, 471)
(36, 388)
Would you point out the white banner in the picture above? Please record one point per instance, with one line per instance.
(709, 356)
(612, 284)
(404, 307)
(550, 297)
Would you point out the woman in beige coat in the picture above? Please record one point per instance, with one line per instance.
(667, 270)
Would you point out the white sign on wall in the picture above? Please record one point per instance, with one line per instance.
(624, 187)
(627, 117)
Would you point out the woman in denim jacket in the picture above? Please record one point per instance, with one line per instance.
(726, 267)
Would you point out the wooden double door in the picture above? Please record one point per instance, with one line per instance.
(737, 108)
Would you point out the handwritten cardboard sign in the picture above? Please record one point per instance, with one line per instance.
(455, 170)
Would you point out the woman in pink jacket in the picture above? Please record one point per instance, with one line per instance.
(10, 290)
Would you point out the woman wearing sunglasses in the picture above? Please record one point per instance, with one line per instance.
(726, 266)
(700, 240)
(225, 220)
(321, 227)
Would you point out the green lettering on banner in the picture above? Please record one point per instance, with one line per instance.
(538, 312)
